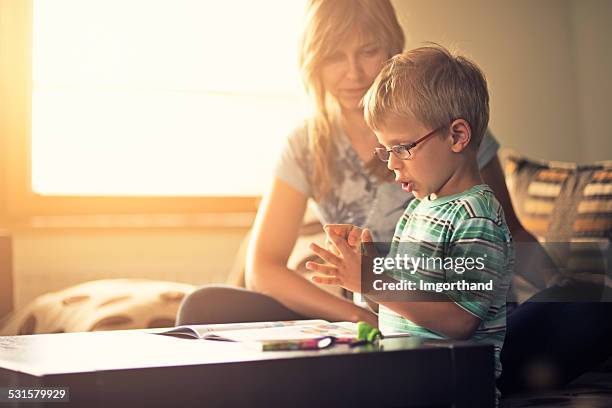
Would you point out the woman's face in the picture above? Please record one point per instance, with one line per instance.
(350, 69)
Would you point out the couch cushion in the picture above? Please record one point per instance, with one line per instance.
(559, 201)
(112, 304)
(569, 208)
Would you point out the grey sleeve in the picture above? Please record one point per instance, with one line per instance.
(488, 149)
(292, 165)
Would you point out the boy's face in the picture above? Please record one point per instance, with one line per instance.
(432, 164)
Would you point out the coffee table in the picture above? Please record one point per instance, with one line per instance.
(136, 368)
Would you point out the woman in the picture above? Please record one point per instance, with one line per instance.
(329, 158)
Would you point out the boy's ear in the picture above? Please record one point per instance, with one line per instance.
(461, 134)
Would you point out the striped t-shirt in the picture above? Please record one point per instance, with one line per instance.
(444, 233)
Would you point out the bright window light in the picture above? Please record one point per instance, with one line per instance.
(162, 97)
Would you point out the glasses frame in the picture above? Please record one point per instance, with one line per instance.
(399, 149)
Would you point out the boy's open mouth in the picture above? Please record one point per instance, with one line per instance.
(407, 186)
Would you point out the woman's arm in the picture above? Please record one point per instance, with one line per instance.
(493, 175)
(274, 234)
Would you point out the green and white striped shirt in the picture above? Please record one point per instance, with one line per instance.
(470, 224)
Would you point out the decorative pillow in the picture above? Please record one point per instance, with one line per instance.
(569, 207)
(559, 201)
(113, 304)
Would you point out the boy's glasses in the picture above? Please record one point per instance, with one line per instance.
(402, 151)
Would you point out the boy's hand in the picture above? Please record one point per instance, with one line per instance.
(351, 233)
(344, 267)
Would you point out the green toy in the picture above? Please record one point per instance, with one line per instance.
(367, 333)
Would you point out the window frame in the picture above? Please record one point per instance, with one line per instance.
(16, 28)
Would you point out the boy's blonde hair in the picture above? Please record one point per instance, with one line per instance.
(329, 23)
(434, 86)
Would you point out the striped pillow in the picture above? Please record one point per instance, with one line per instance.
(562, 202)
(570, 208)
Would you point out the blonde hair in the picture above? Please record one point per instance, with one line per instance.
(329, 23)
(434, 86)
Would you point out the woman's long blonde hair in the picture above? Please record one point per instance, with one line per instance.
(328, 23)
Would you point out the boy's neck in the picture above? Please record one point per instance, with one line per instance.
(462, 179)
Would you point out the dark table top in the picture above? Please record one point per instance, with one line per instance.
(136, 367)
(49, 354)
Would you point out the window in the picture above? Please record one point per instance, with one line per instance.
(161, 98)
(134, 106)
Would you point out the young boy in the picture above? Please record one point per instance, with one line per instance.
(429, 109)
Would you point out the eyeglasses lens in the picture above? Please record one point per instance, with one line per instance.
(382, 154)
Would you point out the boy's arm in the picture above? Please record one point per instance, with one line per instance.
(434, 311)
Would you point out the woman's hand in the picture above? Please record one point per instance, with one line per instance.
(343, 265)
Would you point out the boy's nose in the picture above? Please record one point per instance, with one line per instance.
(394, 162)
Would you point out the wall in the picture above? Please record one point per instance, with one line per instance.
(592, 48)
(546, 62)
(50, 260)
